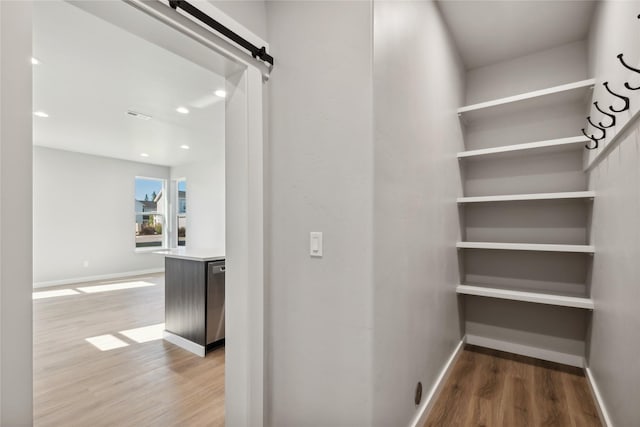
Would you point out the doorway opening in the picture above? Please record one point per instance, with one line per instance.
(131, 110)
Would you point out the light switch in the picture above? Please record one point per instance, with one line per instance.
(315, 243)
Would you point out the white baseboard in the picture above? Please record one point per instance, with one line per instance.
(95, 278)
(184, 343)
(525, 350)
(421, 416)
(600, 406)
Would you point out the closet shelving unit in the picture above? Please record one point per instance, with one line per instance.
(579, 91)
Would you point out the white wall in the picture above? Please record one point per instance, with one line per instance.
(417, 90)
(205, 200)
(250, 13)
(614, 345)
(84, 211)
(562, 64)
(16, 334)
(320, 169)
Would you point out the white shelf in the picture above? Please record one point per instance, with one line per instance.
(558, 94)
(527, 247)
(524, 197)
(535, 297)
(551, 145)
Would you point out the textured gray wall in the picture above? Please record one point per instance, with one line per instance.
(418, 85)
(16, 279)
(615, 337)
(252, 14)
(320, 179)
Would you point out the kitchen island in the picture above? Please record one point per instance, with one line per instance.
(194, 298)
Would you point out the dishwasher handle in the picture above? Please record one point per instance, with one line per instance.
(217, 267)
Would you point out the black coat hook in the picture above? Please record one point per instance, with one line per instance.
(604, 132)
(627, 66)
(611, 116)
(591, 137)
(624, 98)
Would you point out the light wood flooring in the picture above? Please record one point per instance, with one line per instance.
(151, 383)
(493, 389)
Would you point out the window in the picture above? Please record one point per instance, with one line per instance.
(181, 219)
(149, 213)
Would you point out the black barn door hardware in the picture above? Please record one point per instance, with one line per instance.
(256, 52)
(629, 67)
(624, 98)
(611, 116)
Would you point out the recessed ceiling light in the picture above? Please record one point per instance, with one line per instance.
(40, 114)
(185, 147)
(182, 110)
(34, 61)
(144, 154)
(221, 93)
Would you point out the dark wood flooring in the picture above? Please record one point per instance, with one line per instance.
(492, 388)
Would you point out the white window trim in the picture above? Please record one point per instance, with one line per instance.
(176, 215)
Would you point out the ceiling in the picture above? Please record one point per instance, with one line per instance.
(92, 72)
(487, 32)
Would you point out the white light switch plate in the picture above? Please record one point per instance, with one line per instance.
(315, 243)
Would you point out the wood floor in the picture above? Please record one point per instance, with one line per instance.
(145, 383)
(491, 388)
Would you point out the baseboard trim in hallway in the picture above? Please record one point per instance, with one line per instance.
(600, 406)
(525, 350)
(111, 276)
(421, 416)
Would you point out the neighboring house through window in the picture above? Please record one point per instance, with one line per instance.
(150, 210)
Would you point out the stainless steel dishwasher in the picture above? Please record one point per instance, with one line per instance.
(215, 301)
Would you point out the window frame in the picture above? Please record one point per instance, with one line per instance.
(179, 215)
(161, 213)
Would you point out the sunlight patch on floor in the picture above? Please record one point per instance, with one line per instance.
(125, 280)
(115, 287)
(106, 342)
(56, 293)
(144, 334)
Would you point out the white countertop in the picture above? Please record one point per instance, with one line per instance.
(193, 254)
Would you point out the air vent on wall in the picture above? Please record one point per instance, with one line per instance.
(138, 115)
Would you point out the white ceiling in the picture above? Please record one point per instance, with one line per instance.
(487, 32)
(92, 72)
